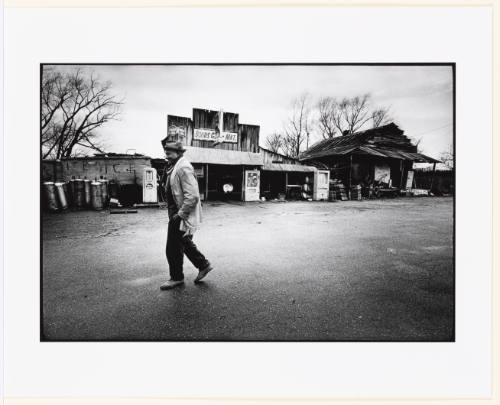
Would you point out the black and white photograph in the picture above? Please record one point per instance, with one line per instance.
(247, 202)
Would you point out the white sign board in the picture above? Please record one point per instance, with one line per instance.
(212, 135)
(409, 180)
(382, 173)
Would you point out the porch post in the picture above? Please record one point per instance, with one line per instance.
(206, 182)
(286, 184)
(350, 177)
(433, 174)
(401, 174)
(243, 185)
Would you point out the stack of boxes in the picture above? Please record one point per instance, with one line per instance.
(337, 190)
(356, 192)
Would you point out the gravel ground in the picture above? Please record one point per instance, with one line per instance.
(377, 270)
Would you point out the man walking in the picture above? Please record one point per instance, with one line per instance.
(184, 212)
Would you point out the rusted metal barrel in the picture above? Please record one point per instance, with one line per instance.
(96, 191)
(67, 191)
(79, 187)
(71, 190)
(61, 196)
(88, 193)
(50, 195)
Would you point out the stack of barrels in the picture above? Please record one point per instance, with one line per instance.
(79, 194)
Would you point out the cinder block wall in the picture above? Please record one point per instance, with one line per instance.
(51, 170)
(122, 170)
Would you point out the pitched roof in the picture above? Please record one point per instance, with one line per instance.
(385, 141)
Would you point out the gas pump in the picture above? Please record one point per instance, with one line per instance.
(149, 186)
(252, 185)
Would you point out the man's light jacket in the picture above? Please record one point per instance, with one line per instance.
(186, 194)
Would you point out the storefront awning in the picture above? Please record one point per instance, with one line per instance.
(222, 156)
(283, 167)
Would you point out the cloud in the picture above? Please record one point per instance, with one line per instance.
(420, 97)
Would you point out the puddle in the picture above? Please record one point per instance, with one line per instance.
(143, 280)
(434, 248)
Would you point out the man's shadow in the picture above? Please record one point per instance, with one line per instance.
(203, 285)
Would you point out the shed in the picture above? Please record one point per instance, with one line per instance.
(282, 174)
(384, 154)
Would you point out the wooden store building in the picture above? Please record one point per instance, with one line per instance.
(230, 164)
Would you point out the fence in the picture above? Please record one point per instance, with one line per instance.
(443, 182)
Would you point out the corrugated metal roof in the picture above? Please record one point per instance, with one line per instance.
(396, 154)
(278, 154)
(385, 141)
(222, 156)
(283, 167)
(349, 142)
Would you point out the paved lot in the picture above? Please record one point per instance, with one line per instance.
(354, 270)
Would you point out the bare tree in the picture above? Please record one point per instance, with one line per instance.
(329, 115)
(298, 126)
(417, 143)
(355, 113)
(274, 142)
(447, 157)
(74, 106)
(380, 116)
(348, 115)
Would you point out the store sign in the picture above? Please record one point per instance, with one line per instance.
(212, 135)
(176, 130)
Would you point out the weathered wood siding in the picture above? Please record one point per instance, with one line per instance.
(271, 157)
(180, 128)
(248, 138)
(206, 119)
(209, 119)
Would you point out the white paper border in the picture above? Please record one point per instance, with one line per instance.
(461, 369)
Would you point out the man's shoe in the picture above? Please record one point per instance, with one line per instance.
(171, 284)
(202, 273)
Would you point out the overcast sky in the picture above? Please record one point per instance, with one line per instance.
(420, 98)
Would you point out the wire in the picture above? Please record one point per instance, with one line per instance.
(432, 130)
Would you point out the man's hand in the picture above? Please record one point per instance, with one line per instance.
(176, 218)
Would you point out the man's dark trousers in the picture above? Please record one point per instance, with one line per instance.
(177, 246)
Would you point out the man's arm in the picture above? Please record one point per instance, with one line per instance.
(190, 191)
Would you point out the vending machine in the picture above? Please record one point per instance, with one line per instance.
(149, 186)
(252, 185)
(321, 185)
